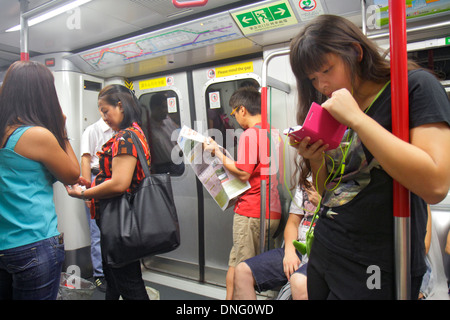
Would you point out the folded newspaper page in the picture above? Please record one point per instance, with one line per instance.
(221, 184)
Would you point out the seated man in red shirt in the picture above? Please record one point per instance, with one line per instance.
(252, 154)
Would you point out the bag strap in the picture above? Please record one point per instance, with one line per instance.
(140, 152)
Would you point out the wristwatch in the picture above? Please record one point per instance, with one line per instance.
(82, 195)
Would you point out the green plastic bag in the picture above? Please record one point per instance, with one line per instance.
(305, 248)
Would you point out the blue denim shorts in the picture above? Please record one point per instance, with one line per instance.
(32, 271)
(268, 271)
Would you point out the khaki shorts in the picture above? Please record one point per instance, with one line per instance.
(246, 238)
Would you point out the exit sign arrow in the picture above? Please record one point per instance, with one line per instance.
(279, 11)
(247, 20)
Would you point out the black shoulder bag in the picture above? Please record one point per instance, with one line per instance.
(140, 224)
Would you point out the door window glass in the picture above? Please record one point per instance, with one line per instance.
(218, 112)
(161, 124)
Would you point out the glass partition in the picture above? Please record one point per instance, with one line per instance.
(280, 162)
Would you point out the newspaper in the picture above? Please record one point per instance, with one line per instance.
(221, 184)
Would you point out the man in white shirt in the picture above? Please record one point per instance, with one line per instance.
(92, 141)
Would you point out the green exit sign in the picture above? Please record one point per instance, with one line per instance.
(263, 18)
(263, 15)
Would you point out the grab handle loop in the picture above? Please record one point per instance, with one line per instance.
(188, 4)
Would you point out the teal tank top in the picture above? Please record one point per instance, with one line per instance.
(27, 210)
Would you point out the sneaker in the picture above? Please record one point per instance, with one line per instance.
(100, 283)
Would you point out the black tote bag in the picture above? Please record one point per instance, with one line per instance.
(145, 223)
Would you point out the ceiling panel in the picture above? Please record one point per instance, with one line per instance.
(131, 12)
(99, 21)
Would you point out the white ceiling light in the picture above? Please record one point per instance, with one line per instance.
(51, 14)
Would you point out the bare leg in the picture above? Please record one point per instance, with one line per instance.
(230, 283)
(244, 283)
(298, 287)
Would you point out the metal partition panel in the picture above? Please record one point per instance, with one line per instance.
(77, 104)
(441, 224)
(278, 119)
(277, 114)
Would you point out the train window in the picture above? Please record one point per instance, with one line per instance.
(436, 60)
(218, 111)
(161, 123)
(92, 86)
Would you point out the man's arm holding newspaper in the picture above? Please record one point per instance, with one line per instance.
(228, 163)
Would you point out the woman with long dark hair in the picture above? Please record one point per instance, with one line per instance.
(337, 66)
(35, 152)
(120, 171)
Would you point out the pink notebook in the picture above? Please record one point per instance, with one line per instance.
(319, 124)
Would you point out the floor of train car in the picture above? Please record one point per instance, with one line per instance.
(171, 287)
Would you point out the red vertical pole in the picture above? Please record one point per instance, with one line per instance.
(264, 125)
(264, 166)
(400, 128)
(24, 54)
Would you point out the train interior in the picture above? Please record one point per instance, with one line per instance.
(196, 56)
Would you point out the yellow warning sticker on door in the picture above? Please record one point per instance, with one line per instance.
(234, 69)
(152, 83)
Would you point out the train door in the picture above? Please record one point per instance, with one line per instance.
(165, 108)
(213, 88)
(199, 99)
